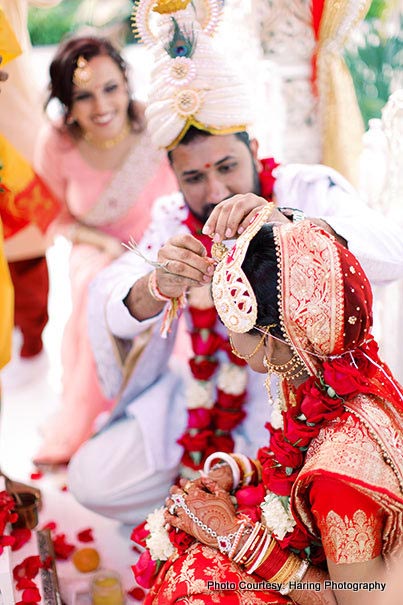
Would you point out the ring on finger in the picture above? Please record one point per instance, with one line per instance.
(187, 486)
(172, 509)
(164, 265)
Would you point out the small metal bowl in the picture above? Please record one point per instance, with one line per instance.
(27, 510)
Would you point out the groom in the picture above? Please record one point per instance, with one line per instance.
(126, 469)
(170, 415)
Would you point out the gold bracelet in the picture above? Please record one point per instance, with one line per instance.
(287, 571)
(258, 469)
(295, 578)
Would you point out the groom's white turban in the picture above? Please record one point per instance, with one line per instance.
(192, 84)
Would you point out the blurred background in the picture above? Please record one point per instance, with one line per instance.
(272, 43)
(374, 53)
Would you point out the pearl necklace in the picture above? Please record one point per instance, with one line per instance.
(109, 143)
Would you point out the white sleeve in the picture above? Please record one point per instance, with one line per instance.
(122, 276)
(113, 284)
(321, 192)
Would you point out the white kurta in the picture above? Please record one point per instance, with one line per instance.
(161, 414)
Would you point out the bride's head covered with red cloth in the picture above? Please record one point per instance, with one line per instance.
(300, 278)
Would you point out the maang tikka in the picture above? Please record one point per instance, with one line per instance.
(82, 73)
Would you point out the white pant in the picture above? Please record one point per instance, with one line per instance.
(110, 474)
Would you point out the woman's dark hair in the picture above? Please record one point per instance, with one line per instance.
(64, 64)
(261, 268)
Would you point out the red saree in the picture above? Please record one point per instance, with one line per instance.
(347, 497)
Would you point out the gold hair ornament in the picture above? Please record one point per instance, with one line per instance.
(82, 73)
(232, 293)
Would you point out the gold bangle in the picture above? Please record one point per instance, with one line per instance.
(287, 571)
(258, 469)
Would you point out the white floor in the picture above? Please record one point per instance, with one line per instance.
(24, 409)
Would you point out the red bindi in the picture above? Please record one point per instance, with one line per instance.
(207, 165)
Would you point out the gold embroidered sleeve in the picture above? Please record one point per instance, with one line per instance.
(350, 523)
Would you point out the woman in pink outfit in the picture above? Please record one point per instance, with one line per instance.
(101, 165)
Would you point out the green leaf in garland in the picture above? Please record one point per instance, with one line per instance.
(159, 565)
(331, 392)
(285, 501)
(196, 457)
(182, 44)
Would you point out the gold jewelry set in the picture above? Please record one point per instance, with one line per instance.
(108, 143)
(292, 369)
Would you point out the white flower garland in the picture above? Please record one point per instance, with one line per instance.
(232, 379)
(200, 394)
(277, 515)
(276, 418)
(158, 542)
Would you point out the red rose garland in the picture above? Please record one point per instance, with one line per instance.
(212, 416)
(316, 402)
(214, 411)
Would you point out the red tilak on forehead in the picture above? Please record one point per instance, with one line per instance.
(207, 165)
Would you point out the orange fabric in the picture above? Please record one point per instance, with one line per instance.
(24, 198)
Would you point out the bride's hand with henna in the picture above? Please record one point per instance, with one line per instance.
(210, 504)
(221, 475)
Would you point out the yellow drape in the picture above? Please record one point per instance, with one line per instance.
(15, 171)
(9, 47)
(342, 126)
(6, 306)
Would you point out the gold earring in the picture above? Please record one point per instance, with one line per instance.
(255, 350)
(293, 368)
